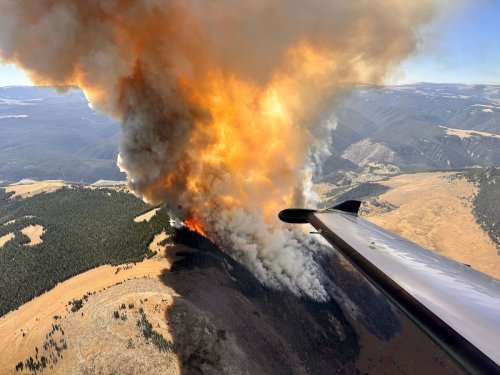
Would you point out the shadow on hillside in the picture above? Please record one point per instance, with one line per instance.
(226, 321)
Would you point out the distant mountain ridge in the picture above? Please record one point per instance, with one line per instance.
(416, 126)
(45, 134)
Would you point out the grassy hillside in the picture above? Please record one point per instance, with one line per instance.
(84, 228)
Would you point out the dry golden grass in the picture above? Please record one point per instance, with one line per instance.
(322, 189)
(28, 188)
(35, 318)
(436, 213)
(34, 233)
(100, 344)
(6, 238)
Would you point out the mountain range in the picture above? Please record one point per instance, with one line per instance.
(422, 126)
(49, 134)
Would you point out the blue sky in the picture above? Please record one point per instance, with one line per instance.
(10, 76)
(461, 47)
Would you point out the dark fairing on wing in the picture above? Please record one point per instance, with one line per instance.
(301, 215)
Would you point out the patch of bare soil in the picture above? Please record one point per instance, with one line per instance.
(28, 188)
(34, 233)
(28, 327)
(6, 238)
(436, 212)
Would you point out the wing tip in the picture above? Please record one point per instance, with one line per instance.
(295, 215)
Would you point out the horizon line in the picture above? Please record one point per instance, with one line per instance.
(354, 84)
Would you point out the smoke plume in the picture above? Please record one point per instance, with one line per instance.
(216, 100)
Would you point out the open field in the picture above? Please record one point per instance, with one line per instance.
(6, 238)
(119, 347)
(34, 233)
(435, 211)
(28, 188)
(462, 133)
(157, 244)
(147, 216)
(322, 189)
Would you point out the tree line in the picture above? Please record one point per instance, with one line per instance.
(84, 229)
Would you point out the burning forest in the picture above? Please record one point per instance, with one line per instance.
(217, 101)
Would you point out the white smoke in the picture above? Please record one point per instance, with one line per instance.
(278, 257)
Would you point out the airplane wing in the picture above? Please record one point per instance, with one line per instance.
(457, 306)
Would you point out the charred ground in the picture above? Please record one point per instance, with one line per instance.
(270, 329)
(225, 321)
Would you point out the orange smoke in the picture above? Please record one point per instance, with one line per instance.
(217, 100)
(255, 133)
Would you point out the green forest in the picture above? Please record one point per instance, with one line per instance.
(84, 228)
(485, 204)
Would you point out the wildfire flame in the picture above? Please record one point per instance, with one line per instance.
(217, 100)
(195, 225)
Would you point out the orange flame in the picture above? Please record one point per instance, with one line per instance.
(195, 225)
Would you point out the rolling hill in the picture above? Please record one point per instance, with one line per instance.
(94, 296)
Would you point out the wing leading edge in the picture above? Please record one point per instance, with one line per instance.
(457, 306)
